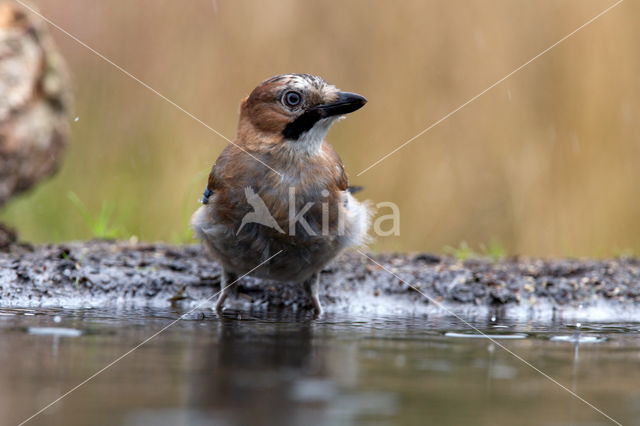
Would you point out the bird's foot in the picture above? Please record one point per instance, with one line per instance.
(227, 284)
(317, 307)
(219, 306)
(311, 287)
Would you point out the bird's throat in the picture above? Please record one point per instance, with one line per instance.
(310, 142)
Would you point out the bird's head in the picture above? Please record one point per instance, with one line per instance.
(296, 110)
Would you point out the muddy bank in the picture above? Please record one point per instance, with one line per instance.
(103, 273)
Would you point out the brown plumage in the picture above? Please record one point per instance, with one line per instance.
(282, 125)
(34, 102)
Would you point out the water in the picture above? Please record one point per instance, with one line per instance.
(282, 370)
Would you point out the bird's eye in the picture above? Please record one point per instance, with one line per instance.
(292, 99)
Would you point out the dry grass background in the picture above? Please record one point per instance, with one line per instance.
(546, 163)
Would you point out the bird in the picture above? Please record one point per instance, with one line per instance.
(260, 214)
(278, 205)
(35, 102)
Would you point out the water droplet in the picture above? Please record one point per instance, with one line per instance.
(76, 119)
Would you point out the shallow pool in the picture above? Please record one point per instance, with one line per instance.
(278, 369)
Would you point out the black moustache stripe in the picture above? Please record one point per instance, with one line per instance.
(302, 124)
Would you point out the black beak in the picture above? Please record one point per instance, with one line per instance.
(346, 103)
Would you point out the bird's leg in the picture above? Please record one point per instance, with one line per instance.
(227, 281)
(311, 287)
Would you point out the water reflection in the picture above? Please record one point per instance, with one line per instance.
(283, 370)
(255, 365)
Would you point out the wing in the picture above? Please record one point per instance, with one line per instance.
(209, 189)
(218, 169)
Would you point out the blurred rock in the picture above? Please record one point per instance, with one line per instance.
(34, 102)
(7, 237)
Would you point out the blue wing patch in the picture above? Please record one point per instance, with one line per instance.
(205, 196)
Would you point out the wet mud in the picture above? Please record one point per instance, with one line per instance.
(100, 273)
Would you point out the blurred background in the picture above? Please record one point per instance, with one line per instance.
(546, 163)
